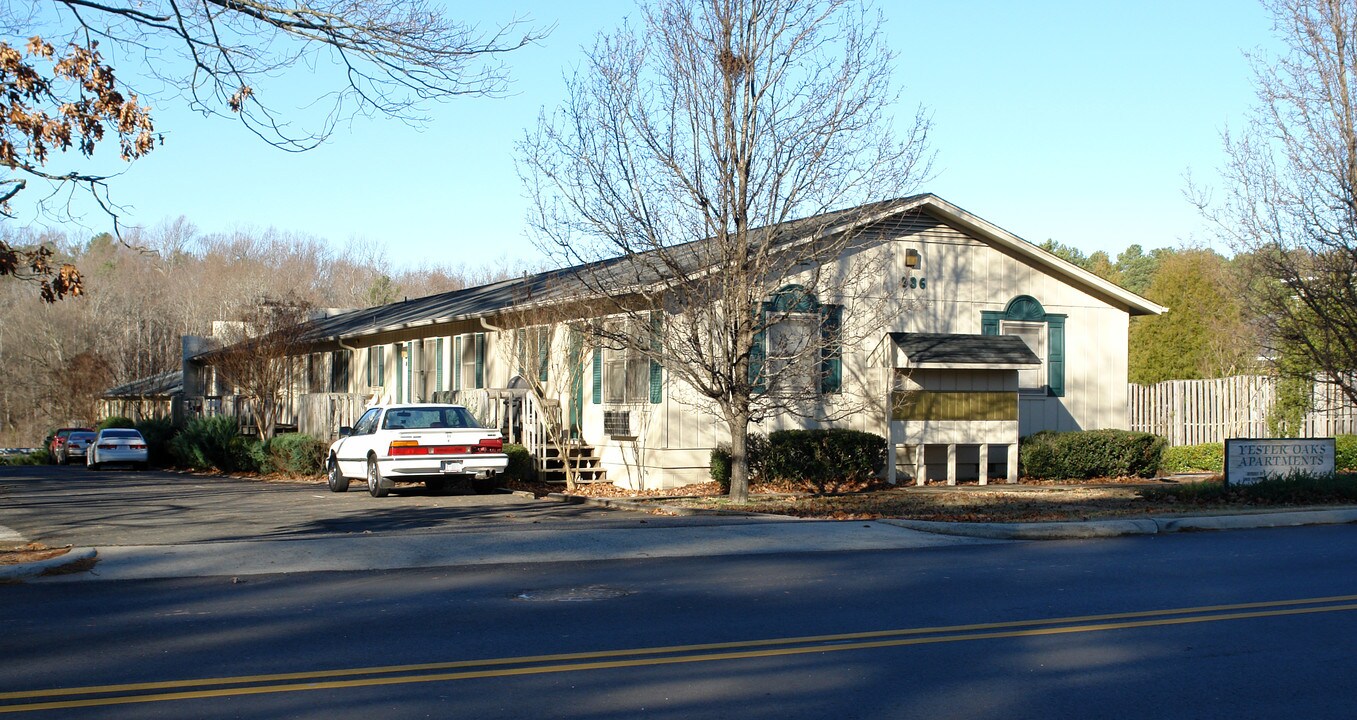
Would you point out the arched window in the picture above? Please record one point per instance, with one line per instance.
(797, 343)
(1043, 332)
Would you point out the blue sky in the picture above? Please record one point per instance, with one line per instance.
(1071, 121)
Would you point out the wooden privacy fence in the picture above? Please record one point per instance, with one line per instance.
(1190, 412)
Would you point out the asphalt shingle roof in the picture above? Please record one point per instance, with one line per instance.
(163, 385)
(955, 349)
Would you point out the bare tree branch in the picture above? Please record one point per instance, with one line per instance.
(676, 167)
(1290, 198)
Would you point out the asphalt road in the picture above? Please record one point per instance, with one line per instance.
(1247, 624)
(71, 505)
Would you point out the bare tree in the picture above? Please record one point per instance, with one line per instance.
(545, 350)
(260, 356)
(680, 158)
(220, 57)
(1290, 197)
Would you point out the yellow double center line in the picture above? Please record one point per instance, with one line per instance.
(102, 695)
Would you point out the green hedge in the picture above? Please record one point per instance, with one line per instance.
(815, 459)
(1210, 457)
(1207, 457)
(1090, 454)
(117, 421)
(296, 454)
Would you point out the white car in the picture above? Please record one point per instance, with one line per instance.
(114, 446)
(429, 443)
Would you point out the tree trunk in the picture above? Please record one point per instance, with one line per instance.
(739, 456)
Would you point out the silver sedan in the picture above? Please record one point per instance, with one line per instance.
(116, 446)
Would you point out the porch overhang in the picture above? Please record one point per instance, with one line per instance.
(956, 351)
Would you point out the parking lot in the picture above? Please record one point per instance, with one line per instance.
(72, 505)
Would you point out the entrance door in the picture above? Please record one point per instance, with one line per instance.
(403, 372)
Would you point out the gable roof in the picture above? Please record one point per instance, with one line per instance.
(484, 301)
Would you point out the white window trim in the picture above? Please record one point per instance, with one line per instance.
(1043, 341)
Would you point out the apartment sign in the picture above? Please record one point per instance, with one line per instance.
(1249, 460)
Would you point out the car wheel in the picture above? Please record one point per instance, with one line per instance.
(375, 488)
(334, 479)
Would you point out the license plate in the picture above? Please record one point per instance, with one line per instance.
(451, 466)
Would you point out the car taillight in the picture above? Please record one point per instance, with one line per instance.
(406, 447)
(107, 446)
(138, 446)
(411, 447)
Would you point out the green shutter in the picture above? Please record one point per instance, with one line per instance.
(656, 372)
(989, 322)
(758, 349)
(438, 364)
(1055, 354)
(598, 374)
(543, 348)
(381, 366)
(400, 372)
(480, 360)
(457, 362)
(831, 350)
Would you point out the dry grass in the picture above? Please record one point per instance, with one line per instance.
(1028, 501)
(32, 552)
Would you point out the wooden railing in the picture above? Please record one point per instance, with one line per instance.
(521, 416)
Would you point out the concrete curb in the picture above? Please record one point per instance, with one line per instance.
(1115, 528)
(1258, 520)
(645, 506)
(25, 571)
(1035, 530)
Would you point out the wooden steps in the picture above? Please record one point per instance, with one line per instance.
(553, 461)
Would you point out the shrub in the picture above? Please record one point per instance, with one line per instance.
(817, 459)
(756, 448)
(37, 457)
(117, 421)
(720, 466)
(215, 442)
(296, 454)
(1345, 453)
(158, 433)
(520, 466)
(1207, 457)
(1090, 453)
(1297, 489)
